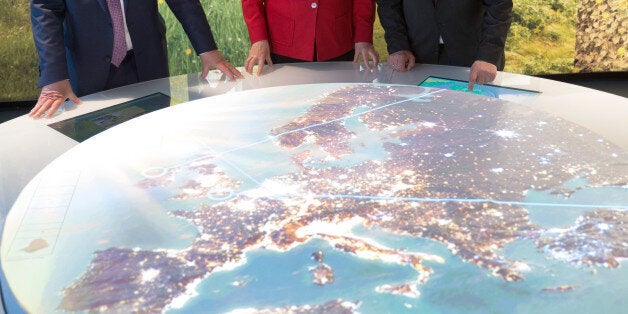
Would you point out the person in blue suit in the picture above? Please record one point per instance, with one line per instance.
(74, 40)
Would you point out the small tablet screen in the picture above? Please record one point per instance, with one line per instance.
(85, 126)
(521, 96)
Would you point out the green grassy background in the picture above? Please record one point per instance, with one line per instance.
(18, 59)
(541, 40)
(542, 37)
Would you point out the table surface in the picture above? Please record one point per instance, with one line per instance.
(29, 145)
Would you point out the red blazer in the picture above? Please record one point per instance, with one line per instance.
(293, 27)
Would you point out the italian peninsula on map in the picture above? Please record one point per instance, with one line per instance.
(414, 187)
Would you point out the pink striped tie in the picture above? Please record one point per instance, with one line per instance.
(119, 40)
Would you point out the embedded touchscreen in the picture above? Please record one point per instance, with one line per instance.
(85, 126)
(516, 95)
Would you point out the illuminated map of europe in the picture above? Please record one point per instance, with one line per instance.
(345, 198)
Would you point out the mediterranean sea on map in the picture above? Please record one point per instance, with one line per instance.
(328, 198)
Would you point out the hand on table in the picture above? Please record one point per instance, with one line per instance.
(259, 53)
(366, 50)
(481, 72)
(51, 98)
(214, 59)
(401, 60)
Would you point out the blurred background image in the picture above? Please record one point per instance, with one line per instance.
(546, 37)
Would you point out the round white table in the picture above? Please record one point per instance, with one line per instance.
(31, 150)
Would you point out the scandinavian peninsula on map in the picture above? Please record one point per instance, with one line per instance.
(414, 187)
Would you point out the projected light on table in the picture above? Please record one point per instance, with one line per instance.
(330, 197)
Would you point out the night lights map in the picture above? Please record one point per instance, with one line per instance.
(328, 198)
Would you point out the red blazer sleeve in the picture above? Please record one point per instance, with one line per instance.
(363, 19)
(255, 19)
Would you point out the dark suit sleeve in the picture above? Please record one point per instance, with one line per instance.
(395, 29)
(47, 22)
(192, 17)
(495, 26)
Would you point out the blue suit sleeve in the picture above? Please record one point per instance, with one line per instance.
(192, 17)
(47, 21)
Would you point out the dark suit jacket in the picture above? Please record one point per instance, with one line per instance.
(471, 29)
(74, 39)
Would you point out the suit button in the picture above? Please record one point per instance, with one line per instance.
(314, 5)
(108, 58)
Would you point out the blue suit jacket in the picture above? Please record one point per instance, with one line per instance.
(74, 39)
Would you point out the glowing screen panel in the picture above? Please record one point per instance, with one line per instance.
(324, 198)
(520, 96)
(85, 126)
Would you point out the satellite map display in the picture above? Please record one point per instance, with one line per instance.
(327, 198)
